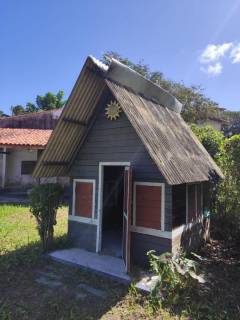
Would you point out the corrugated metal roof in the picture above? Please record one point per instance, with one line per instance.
(73, 122)
(179, 155)
(24, 137)
(173, 147)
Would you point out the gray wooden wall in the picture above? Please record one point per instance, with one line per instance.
(110, 141)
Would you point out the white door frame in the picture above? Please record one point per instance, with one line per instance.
(100, 198)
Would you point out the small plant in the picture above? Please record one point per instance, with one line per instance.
(175, 274)
(45, 199)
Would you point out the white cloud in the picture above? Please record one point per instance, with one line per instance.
(213, 69)
(235, 54)
(213, 52)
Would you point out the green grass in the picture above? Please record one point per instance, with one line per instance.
(19, 239)
(21, 297)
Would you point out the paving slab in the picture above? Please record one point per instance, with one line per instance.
(92, 290)
(80, 296)
(49, 282)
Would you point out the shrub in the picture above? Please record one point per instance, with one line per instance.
(175, 274)
(227, 209)
(211, 139)
(45, 199)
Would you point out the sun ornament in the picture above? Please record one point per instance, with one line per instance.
(113, 110)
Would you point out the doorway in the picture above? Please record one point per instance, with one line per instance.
(112, 211)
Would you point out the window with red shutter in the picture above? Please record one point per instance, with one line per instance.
(148, 204)
(84, 199)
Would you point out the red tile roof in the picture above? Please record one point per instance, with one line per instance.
(24, 137)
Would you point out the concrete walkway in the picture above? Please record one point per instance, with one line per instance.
(104, 264)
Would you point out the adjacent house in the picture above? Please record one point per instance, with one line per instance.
(139, 176)
(22, 139)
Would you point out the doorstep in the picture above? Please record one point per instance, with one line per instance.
(104, 264)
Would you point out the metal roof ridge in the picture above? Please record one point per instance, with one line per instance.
(131, 79)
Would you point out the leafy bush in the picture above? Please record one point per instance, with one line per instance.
(211, 139)
(45, 199)
(224, 194)
(175, 275)
(227, 209)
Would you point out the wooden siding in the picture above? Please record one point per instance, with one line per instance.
(82, 235)
(192, 214)
(190, 239)
(148, 206)
(83, 199)
(117, 141)
(199, 199)
(142, 243)
(179, 205)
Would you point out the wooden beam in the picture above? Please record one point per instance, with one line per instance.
(74, 121)
(55, 163)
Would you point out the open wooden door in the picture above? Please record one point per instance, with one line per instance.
(127, 215)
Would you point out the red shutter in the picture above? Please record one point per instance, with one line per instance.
(192, 214)
(84, 199)
(148, 206)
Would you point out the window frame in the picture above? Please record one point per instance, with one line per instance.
(72, 216)
(154, 232)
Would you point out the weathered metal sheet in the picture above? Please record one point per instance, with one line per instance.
(67, 136)
(179, 155)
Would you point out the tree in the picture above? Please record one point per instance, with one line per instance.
(50, 101)
(1, 113)
(47, 102)
(211, 139)
(18, 109)
(196, 106)
(45, 199)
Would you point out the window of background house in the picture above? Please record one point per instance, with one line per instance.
(27, 167)
(179, 205)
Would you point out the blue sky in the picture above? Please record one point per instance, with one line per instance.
(43, 44)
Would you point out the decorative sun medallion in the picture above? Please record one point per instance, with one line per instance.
(113, 110)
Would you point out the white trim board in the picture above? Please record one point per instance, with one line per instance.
(78, 218)
(82, 219)
(162, 213)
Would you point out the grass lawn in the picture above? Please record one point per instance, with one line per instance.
(34, 287)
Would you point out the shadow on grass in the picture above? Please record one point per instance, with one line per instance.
(28, 255)
(22, 297)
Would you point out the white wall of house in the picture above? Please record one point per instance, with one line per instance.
(14, 161)
(14, 176)
(215, 124)
(1, 164)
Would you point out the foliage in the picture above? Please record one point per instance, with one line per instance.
(211, 139)
(1, 113)
(18, 109)
(225, 193)
(196, 106)
(175, 275)
(45, 199)
(48, 101)
(227, 219)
